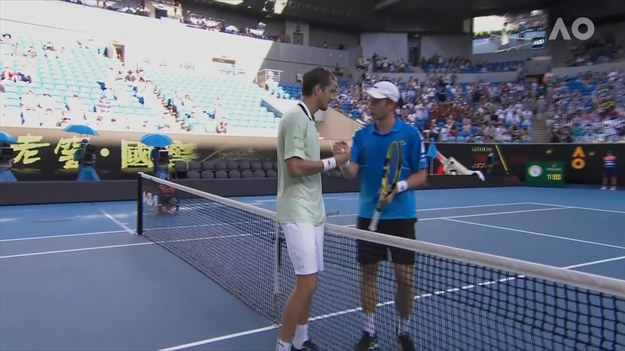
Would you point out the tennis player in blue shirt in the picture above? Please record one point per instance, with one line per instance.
(399, 214)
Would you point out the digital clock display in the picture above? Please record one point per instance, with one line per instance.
(544, 173)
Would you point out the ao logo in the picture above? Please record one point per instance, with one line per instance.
(535, 171)
(150, 199)
(560, 27)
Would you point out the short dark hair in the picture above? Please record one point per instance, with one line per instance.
(315, 76)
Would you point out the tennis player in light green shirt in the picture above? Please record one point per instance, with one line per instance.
(300, 197)
(300, 208)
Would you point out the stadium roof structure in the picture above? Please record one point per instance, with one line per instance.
(415, 16)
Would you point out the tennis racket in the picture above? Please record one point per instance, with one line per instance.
(390, 177)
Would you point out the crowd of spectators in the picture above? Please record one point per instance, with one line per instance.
(448, 111)
(437, 63)
(588, 108)
(595, 51)
(378, 63)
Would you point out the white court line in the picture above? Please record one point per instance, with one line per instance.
(357, 309)
(220, 338)
(580, 208)
(536, 233)
(121, 245)
(350, 225)
(596, 262)
(201, 225)
(122, 225)
(462, 207)
(57, 219)
(484, 214)
(124, 231)
(63, 235)
(494, 213)
(455, 208)
(325, 198)
(474, 206)
(74, 250)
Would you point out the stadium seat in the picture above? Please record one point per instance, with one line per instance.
(195, 166)
(193, 175)
(207, 175)
(220, 165)
(180, 169)
(256, 166)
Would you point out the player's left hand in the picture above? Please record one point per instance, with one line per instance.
(388, 198)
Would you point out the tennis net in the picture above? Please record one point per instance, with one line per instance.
(463, 300)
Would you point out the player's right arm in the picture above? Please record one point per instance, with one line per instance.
(298, 167)
(294, 139)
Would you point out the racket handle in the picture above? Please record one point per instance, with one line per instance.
(373, 225)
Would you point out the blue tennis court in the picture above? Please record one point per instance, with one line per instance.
(77, 277)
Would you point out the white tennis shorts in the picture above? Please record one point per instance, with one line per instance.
(304, 242)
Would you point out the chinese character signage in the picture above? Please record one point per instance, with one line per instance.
(65, 149)
(136, 155)
(28, 148)
(48, 154)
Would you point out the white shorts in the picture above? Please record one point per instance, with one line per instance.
(304, 242)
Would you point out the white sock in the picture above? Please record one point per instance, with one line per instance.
(301, 336)
(402, 327)
(283, 346)
(370, 323)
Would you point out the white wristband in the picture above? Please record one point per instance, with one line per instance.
(345, 165)
(329, 163)
(402, 186)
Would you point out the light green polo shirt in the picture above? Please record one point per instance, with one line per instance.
(300, 198)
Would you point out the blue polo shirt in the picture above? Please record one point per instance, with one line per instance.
(369, 151)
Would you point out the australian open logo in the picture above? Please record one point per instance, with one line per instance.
(535, 171)
(580, 23)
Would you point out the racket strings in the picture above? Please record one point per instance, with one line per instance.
(394, 167)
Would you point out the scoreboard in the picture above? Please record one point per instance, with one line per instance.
(544, 173)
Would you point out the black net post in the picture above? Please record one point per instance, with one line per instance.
(139, 203)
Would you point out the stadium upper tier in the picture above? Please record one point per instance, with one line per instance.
(48, 86)
(460, 65)
(55, 86)
(203, 102)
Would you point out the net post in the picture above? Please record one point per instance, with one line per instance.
(139, 203)
(276, 276)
